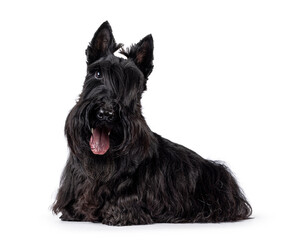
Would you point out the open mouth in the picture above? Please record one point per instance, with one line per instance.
(99, 142)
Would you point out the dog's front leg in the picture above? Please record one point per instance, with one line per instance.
(125, 211)
(72, 181)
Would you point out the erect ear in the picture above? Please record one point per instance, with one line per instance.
(102, 44)
(142, 54)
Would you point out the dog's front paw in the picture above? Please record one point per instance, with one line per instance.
(113, 217)
(117, 217)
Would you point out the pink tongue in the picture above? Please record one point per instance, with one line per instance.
(99, 141)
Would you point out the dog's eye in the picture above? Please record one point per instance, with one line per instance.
(98, 75)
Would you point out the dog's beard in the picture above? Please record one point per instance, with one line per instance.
(99, 141)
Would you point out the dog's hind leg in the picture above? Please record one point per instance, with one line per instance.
(221, 198)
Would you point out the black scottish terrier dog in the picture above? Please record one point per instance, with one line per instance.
(120, 172)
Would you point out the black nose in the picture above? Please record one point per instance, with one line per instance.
(106, 114)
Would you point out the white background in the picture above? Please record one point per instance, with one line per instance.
(225, 84)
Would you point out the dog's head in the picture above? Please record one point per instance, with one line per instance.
(108, 114)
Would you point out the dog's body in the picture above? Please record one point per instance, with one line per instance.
(121, 173)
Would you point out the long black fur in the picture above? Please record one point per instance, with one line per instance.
(142, 178)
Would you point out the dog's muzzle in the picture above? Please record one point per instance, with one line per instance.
(105, 116)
